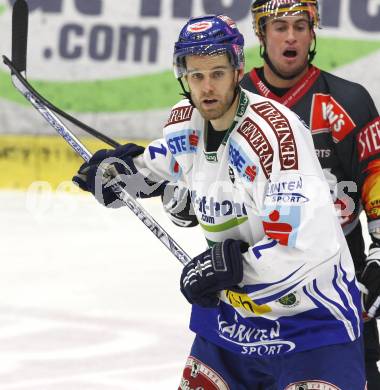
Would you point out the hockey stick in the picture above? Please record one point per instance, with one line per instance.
(18, 63)
(19, 48)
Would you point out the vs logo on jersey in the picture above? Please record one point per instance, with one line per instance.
(327, 115)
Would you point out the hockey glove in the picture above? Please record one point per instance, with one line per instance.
(371, 280)
(177, 204)
(109, 167)
(214, 270)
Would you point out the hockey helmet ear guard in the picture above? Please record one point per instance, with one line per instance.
(208, 35)
(262, 10)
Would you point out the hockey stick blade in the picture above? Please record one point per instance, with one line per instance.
(20, 16)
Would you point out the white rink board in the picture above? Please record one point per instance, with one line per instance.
(89, 299)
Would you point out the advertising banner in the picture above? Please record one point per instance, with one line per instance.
(108, 62)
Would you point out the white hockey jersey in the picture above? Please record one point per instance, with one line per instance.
(264, 185)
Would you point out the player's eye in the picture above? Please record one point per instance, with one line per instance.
(218, 74)
(301, 27)
(280, 27)
(196, 76)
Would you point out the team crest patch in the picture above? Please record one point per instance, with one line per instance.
(197, 375)
(289, 301)
(312, 385)
(327, 115)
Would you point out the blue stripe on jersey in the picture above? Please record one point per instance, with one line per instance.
(335, 309)
(268, 298)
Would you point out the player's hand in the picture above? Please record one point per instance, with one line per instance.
(108, 168)
(176, 200)
(370, 278)
(212, 271)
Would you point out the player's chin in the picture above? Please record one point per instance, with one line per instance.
(210, 115)
(289, 70)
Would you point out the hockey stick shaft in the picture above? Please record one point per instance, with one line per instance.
(51, 107)
(19, 51)
(123, 195)
(20, 19)
(20, 16)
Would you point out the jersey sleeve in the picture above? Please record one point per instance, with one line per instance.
(354, 123)
(301, 234)
(170, 157)
(158, 164)
(366, 161)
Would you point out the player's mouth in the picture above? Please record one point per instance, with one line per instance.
(209, 102)
(290, 53)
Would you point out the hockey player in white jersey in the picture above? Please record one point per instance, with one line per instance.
(275, 304)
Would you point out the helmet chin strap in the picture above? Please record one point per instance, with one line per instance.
(185, 94)
(264, 55)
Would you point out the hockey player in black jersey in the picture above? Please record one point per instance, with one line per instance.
(345, 126)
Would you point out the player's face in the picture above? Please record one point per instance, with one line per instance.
(212, 82)
(288, 40)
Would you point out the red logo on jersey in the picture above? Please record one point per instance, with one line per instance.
(277, 230)
(317, 384)
(197, 375)
(251, 172)
(176, 167)
(193, 139)
(369, 140)
(199, 27)
(180, 114)
(327, 115)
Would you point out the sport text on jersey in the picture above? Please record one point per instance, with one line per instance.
(284, 133)
(254, 340)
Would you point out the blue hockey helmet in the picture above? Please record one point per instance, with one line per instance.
(208, 35)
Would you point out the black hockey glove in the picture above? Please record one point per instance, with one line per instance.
(176, 200)
(214, 270)
(370, 278)
(109, 167)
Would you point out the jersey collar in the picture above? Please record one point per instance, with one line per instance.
(294, 94)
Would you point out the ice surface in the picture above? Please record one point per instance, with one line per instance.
(89, 298)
